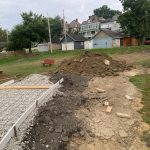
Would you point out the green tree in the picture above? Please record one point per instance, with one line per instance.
(106, 12)
(34, 28)
(3, 35)
(135, 20)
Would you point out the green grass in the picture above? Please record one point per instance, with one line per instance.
(145, 63)
(143, 83)
(24, 65)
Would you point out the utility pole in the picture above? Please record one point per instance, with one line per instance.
(50, 39)
(65, 30)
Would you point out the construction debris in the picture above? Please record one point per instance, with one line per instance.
(129, 97)
(107, 62)
(100, 90)
(106, 103)
(109, 109)
(123, 115)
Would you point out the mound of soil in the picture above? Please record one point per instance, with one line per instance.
(90, 64)
(55, 123)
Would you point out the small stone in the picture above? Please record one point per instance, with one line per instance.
(106, 103)
(107, 62)
(123, 134)
(65, 139)
(47, 146)
(51, 129)
(82, 133)
(109, 109)
(91, 134)
(129, 97)
(58, 129)
(100, 90)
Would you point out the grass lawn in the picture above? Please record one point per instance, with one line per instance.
(145, 63)
(22, 66)
(143, 83)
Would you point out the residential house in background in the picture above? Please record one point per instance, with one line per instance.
(72, 41)
(90, 27)
(105, 39)
(111, 24)
(74, 26)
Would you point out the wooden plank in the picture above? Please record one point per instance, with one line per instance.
(22, 87)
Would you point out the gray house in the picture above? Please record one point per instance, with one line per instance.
(72, 42)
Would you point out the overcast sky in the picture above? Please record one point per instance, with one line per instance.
(10, 10)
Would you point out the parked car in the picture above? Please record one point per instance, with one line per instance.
(147, 41)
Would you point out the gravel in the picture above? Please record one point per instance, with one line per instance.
(13, 103)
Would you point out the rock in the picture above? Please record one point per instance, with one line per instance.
(81, 60)
(51, 129)
(65, 138)
(91, 134)
(100, 90)
(123, 115)
(129, 97)
(82, 133)
(58, 129)
(109, 109)
(47, 146)
(107, 62)
(123, 134)
(106, 103)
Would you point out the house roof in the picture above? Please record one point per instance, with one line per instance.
(76, 37)
(113, 34)
(75, 24)
(92, 19)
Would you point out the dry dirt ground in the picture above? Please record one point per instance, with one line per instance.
(133, 57)
(107, 131)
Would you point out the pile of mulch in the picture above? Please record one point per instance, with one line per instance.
(55, 122)
(90, 64)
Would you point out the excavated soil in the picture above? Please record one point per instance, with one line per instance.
(90, 64)
(55, 122)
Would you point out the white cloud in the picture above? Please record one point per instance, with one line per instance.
(10, 10)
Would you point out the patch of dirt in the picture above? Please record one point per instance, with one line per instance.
(107, 131)
(55, 122)
(90, 64)
(133, 57)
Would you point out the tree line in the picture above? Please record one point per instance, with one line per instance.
(34, 29)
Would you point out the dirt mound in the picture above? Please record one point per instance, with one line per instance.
(90, 64)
